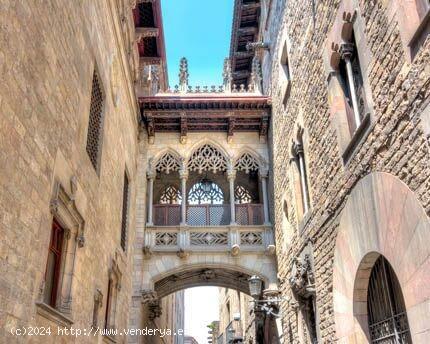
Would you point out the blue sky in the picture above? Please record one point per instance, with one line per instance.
(200, 31)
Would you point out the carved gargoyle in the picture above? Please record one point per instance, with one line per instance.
(302, 277)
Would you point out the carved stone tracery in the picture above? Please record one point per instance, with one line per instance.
(167, 163)
(207, 158)
(247, 163)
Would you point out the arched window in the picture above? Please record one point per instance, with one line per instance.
(205, 192)
(388, 322)
(167, 163)
(242, 195)
(246, 163)
(170, 195)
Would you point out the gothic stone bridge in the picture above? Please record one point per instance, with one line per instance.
(204, 211)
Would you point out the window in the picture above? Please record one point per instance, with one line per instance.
(351, 79)
(95, 122)
(301, 179)
(53, 265)
(285, 74)
(414, 24)
(125, 198)
(67, 223)
(242, 195)
(388, 321)
(113, 288)
(98, 303)
(170, 195)
(108, 305)
(309, 326)
(205, 192)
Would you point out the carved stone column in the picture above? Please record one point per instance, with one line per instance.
(263, 178)
(299, 152)
(346, 51)
(231, 176)
(151, 177)
(183, 174)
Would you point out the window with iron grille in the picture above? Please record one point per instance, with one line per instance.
(124, 212)
(95, 122)
(388, 320)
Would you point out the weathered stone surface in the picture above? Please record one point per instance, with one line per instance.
(49, 51)
(397, 141)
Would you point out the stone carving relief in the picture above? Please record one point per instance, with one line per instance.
(302, 279)
(207, 158)
(247, 163)
(166, 239)
(168, 163)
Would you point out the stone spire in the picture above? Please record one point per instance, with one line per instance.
(256, 76)
(183, 75)
(227, 77)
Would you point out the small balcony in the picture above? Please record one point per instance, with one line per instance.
(203, 215)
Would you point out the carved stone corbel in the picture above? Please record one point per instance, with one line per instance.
(147, 252)
(184, 128)
(235, 250)
(183, 254)
(255, 46)
(149, 296)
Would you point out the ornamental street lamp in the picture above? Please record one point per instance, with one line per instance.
(269, 304)
(255, 286)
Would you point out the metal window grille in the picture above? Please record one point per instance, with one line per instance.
(95, 121)
(388, 323)
(125, 197)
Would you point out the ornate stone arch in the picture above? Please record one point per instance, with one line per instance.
(208, 156)
(166, 161)
(382, 217)
(170, 274)
(248, 160)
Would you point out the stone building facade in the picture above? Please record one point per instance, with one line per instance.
(326, 103)
(350, 181)
(69, 128)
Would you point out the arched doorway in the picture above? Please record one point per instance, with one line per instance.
(387, 318)
(382, 217)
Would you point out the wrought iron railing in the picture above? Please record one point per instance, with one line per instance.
(208, 214)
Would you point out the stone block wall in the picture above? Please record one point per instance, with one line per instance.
(397, 141)
(50, 50)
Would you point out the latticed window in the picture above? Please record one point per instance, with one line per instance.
(205, 192)
(95, 122)
(170, 195)
(125, 198)
(242, 195)
(388, 322)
